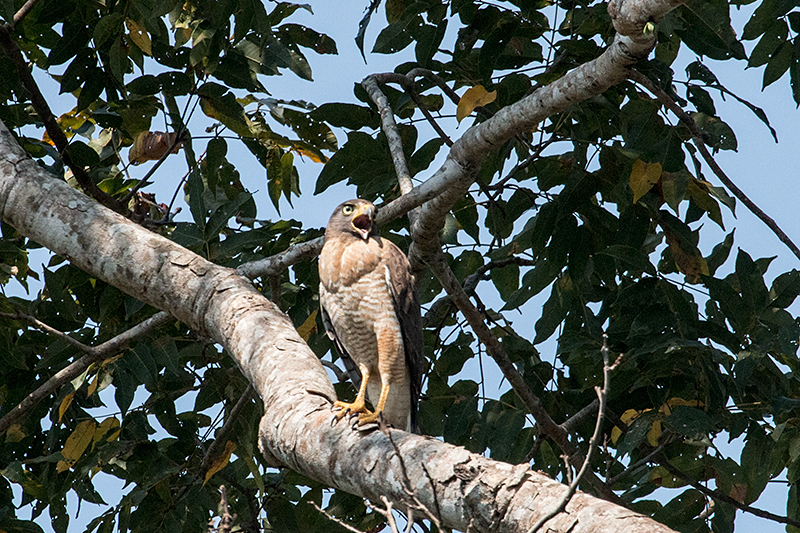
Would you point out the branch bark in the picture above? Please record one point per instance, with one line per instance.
(467, 489)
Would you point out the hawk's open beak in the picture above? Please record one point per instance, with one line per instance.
(362, 220)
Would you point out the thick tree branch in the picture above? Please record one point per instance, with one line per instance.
(699, 142)
(296, 429)
(629, 46)
(77, 367)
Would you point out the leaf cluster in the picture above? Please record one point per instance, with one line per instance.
(597, 222)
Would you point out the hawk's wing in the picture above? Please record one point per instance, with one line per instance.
(349, 364)
(406, 307)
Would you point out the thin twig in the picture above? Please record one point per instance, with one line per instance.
(414, 501)
(436, 79)
(221, 438)
(697, 137)
(226, 520)
(471, 282)
(386, 513)
(407, 83)
(22, 13)
(340, 374)
(93, 354)
(602, 396)
(144, 181)
(649, 457)
(332, 518)
(441, 269)
(392, 133)
(571, 423)
(54, 130)
(279, 262)
(717, 495)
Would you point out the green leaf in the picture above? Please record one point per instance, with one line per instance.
(460, 419)
(74, 39)
(689, 421)
(144, 85)
(196, 201)
(779, 64)
(429, 38)
(707, 29)
(773, 38)
(506, 279)
(720, 254)
(349, 116)
(785, 289)
(360, 156)
(174, 83)
(219, 218)
(12, 525)
(761, 19)
(397, 35)
(682, 511)
(630, 257)
(226, 110)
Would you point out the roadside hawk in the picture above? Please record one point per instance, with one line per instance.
(371, 312)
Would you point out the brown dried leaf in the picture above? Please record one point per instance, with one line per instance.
(151, 146)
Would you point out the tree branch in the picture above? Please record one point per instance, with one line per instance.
(602, 397)
(51, 124)
(77, 367)
(296, 429)
(699, 142)
(717, 495)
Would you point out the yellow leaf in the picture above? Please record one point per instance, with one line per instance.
(675, 401)
(93, 385)
(654, 433)
(65, 405)
(630, 415)
(309, 326)
(139, 37)
(643, 177)
(616, 433)
(698, 190)
(15, 433)
(76, 444)
(110, 427)
(221, 461)
(627, 417)
(474, 97)
(315, 157)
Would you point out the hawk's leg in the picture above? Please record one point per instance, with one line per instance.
(368, 418)
(358, 407)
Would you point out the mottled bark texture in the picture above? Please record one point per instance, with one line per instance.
(464, 490)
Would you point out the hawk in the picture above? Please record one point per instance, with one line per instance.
(371, 312)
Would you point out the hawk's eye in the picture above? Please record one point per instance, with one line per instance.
(347, 210)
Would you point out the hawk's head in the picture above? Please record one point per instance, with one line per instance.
(354, 217)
